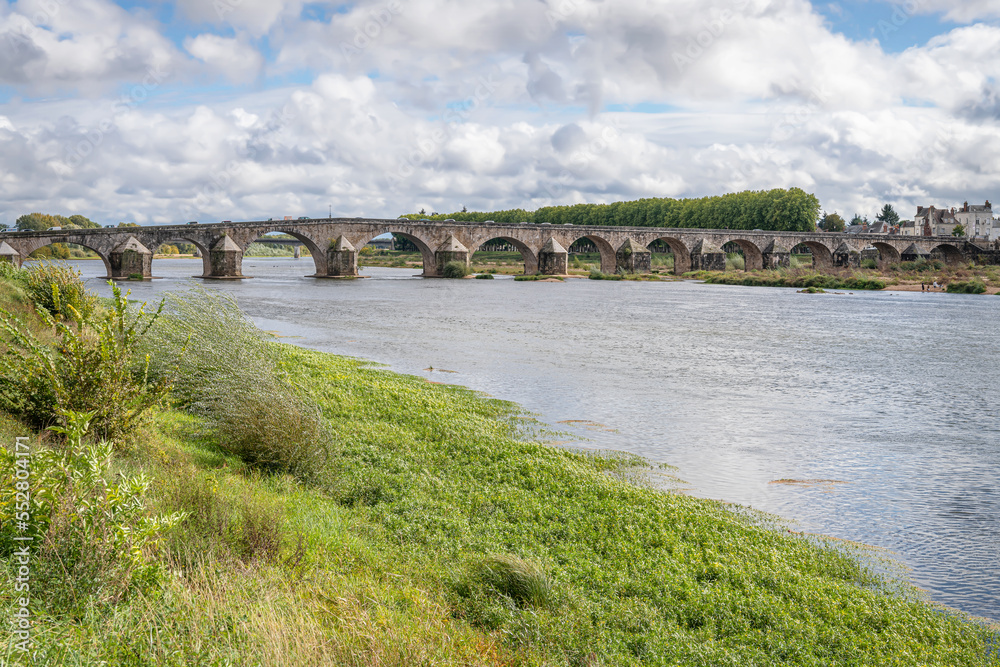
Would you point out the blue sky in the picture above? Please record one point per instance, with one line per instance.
(892, 25)
(282, 107)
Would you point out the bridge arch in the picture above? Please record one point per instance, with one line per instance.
(821, 254)
(608, 262)
(527, 254)
(426, 251)
(206, 263)
(318, 254)
(888, 254)
(948, 251)
(752, 255)
(38, 244)
(682, 254)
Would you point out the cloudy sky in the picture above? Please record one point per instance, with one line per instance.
(164, 111)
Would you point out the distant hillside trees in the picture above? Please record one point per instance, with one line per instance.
(39, 222)
(773, 210)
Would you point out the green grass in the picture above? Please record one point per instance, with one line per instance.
(796, 278)
(595, 274)
(536, 277)
(439, 534)
(967, 287)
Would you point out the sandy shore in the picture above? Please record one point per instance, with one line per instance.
(915, 287)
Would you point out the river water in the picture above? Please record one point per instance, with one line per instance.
(890, 397)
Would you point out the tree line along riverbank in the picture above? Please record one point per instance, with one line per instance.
(257, 503)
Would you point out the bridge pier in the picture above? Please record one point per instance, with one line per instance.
(341, 259)
(451, 250)
(131, 259)
(845, 258)
(553, 259)
(9, 255)
(633, 257)
(776, 256)
(707, 257)
(914, 253)
(226, 260)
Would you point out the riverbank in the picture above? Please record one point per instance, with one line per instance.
(438, 535)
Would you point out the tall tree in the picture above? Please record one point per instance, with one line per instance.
(786, 210)
(832, 222)
(888, 215)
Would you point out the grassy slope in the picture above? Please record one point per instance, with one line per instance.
(378, 567)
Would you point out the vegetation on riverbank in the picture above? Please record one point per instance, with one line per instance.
(799, 278)
(426, 529)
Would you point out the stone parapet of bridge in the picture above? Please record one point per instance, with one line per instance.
(333, 243)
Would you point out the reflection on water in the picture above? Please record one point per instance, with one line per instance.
(881, 405)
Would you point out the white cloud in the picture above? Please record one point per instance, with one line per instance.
(234, 58)
(492, 105)
(256, 16)
(962, 11)
(86, 45)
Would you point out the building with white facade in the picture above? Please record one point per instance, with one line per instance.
(938, 221)
(977, 220)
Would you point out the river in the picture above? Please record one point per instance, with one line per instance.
(889, 396)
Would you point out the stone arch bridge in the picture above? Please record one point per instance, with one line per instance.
(128, 252)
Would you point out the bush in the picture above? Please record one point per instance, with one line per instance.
(484, 276)
(869, 264)
(58, 289)
(920, 266)
(92, 540)
(96, 367)
(537, 277)
(524, 582)
(599, 275)
(779, 279)
(233, 374)
(455, 269)
(967, 287)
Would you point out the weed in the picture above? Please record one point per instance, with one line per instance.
(735, 262)
(96, 367)
(237, 378)
(536, 277)
(967, 287)
(95, 541)
(455, 269)
(58, 289)
(521, 580)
